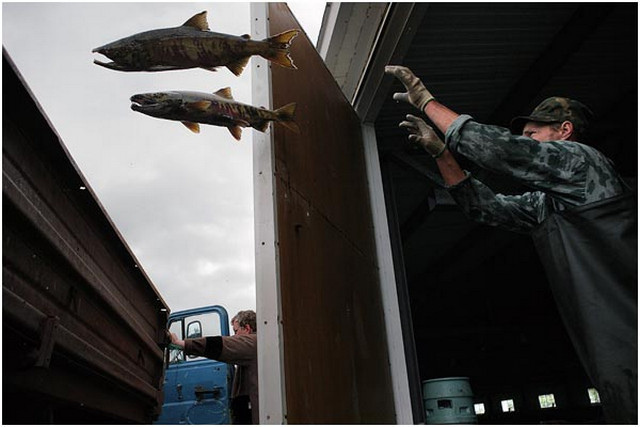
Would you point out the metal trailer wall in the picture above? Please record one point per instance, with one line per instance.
(81, 320)
(335, 358)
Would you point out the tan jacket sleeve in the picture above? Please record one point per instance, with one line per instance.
(239, 349)
(209, 347)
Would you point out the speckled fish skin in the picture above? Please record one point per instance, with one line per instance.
(192, 45)
(218, 109)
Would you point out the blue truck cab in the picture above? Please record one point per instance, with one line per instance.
(196, 389)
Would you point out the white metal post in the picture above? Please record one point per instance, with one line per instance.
(270, 347)
(395, 345)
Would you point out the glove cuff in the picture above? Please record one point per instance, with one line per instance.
(441, 152)
(426, 101)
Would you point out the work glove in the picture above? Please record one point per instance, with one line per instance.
(416, 94)
(423, 134)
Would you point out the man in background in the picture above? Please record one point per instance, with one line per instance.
(240, 350)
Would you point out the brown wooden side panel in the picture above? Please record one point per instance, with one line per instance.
(335, 353)
(81, 321)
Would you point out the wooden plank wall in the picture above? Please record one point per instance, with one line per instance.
(82, 322)
(335, 352)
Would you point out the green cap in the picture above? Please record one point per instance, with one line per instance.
(556, 110)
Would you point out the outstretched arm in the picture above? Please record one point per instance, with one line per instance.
(423, 134)
(479, 202)
(418, 96)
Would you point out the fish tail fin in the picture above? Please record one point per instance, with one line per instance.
(279, 48)
(285, 117)
(286, 112)
(282, 40)
(292, 126)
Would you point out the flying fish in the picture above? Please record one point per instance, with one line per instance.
(192, 45)
(218, 109)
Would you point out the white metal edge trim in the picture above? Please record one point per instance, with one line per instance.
(268, 302)
(362, 71)
(395, 344)
(327, 28)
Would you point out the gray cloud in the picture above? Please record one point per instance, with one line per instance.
(182, 201)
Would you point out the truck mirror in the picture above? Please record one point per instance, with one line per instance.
(194, 329)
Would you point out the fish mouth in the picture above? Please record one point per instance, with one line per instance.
(111, 65)
(142, 103)
(100, 50)
(148, 104)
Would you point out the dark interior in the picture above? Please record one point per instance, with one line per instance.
(474, 299)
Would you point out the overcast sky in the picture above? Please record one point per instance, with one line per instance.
(182, 201)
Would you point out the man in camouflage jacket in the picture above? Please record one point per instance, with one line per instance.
(581, 216)
(562, 168)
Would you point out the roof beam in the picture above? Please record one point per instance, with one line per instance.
(566, 42)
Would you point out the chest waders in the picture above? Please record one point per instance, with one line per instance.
(590, 256)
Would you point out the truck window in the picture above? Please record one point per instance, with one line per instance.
(194, 326)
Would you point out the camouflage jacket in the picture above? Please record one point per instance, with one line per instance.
(568, 172)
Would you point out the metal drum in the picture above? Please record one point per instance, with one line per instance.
(448, 401)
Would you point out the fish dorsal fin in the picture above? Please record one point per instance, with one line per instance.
(198, 105)
(236, 67)
(224, 93)
(198, 21)
(246, 36)
(236, 131)
(193, 127)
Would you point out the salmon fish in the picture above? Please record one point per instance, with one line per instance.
(192, 45)
(219, 109)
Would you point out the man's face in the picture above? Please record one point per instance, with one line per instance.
(239, 330)
(542, 132)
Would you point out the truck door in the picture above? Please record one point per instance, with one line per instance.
(196, 389)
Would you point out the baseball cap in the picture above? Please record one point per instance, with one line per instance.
(554, 110)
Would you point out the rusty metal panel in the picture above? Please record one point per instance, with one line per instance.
(77, 307)
(335, 353)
